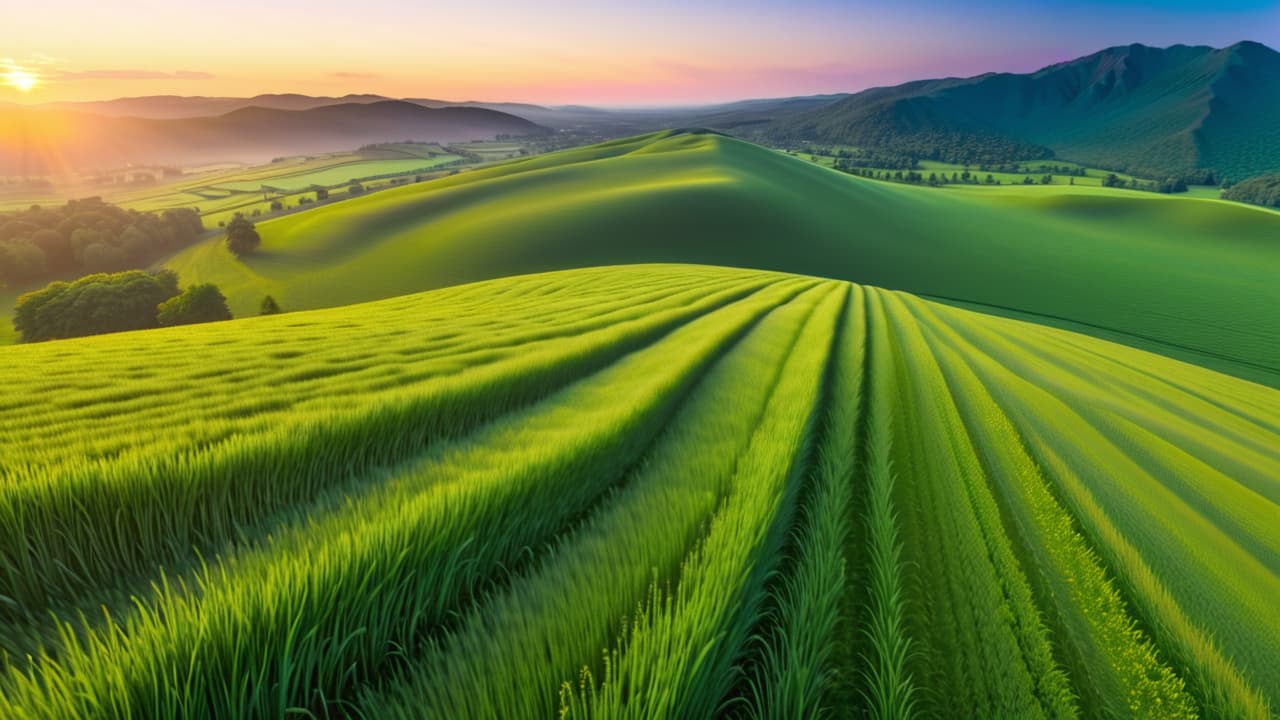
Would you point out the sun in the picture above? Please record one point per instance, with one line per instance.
(23, 80)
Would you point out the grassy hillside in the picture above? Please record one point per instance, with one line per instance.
(1190, 278)
(1154, 112)
(775, 492)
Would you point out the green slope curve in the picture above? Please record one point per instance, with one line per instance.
(1192, 279)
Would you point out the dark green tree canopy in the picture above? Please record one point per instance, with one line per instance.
(197, 304)
(242, 236)
(94, 304)
(1264, 190)
(88, 236)
(269, 306)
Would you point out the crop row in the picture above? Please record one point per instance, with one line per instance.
(645, 492)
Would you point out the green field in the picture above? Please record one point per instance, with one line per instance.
(1192, 279)
(640, 491)
(338, 174)
(220, 191)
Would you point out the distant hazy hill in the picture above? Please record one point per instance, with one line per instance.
(1147, 110)
(179, 106)
(50, 141)
(726, 115)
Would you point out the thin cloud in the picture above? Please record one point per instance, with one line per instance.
(348, 75)
(134, 75)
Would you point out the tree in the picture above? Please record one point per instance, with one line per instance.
(242, 237)
(1111, 180)
(269, 306)
(355, 189)
(197, 304)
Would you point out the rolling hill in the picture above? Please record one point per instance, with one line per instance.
(52, 142)
(1193, 279)
(645, 491)
(1150, 111)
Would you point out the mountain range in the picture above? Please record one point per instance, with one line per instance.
(1150, 111)
(52, 141)
(1182, 111)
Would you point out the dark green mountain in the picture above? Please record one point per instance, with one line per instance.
(1151, 111)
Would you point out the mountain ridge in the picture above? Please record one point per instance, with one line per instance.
(1179, 110)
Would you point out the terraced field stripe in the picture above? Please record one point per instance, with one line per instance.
(1238, 445)
(1206, 530)
(793, 670)
(887, 688)
(21, 631)
(63, 536)
(1084, 468)
(1113, 664)
(680, 657)
(993, 648)
(72, 408)
(571, 604)
(330, 602)
(1245, 401)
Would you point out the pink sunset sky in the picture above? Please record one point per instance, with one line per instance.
(571, 51)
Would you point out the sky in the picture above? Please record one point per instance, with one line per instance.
(601, 52)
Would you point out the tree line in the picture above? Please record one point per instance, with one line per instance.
(1263, 190)
(116, 302)
(88, 236)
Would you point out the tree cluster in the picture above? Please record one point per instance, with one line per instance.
(114, 302)
(884, 136)
(88, 236)
(1263, 190)
(918, 178)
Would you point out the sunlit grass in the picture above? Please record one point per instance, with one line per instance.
(633, 492)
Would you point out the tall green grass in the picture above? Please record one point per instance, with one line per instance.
(649, 491)
(680, 657)
(796, 670)
(235, 472)
(889, 690)
(570, 606)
